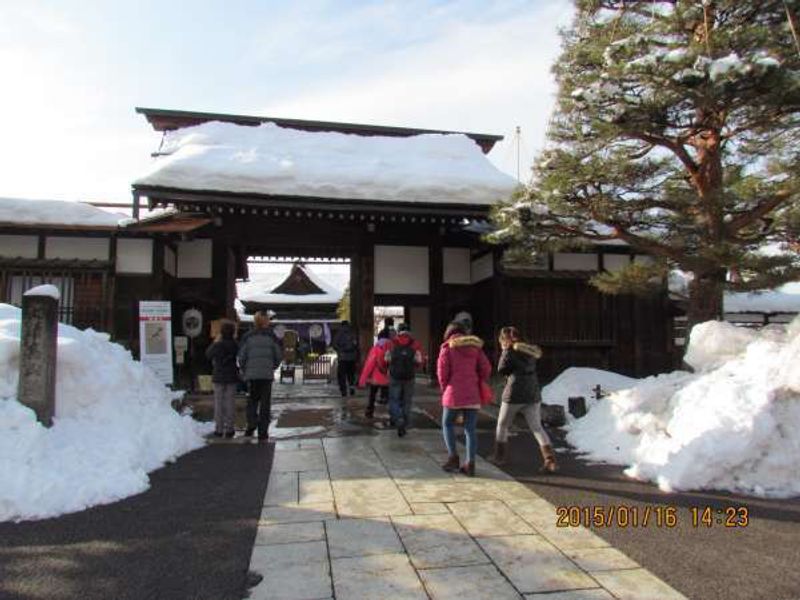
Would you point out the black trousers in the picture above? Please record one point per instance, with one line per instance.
(259, 406)
(373, 393)
(346, 375)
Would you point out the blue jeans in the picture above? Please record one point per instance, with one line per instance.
(401, 395)
(470, 422)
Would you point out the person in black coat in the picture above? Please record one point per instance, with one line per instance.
(521, 394)
(345, 343)
(225, 377)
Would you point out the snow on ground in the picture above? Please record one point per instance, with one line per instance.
(114, 424)
(730, 425)
(275, 160)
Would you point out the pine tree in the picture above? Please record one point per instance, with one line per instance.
(676, 131)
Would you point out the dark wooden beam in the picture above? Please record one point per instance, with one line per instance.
(167, 120)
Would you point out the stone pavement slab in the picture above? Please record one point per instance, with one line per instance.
(387, 576)
(489, 517)
(637, 584)
(292, 571)
(361, 537)
(286, 533)
(468, 583)
(534, 565)
(438, 541)
(374, 516)
(595, 594)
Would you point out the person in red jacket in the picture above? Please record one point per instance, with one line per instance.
(462, 366)
(376, 373)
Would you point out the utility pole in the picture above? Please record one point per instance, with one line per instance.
(518, 136)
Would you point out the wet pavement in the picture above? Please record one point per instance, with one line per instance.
(317, 409)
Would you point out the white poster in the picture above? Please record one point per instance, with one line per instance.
(155, 337)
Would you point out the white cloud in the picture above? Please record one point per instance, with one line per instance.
(69, 128)
(486, 77)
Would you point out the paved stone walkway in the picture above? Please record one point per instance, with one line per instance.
(376, 517)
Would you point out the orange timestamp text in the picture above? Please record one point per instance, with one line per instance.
(623, 516)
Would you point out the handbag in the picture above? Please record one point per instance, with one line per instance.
(486, 393)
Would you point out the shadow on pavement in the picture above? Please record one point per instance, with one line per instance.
(189, 536)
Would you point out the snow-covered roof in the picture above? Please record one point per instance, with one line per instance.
(771, 301)
(329, 295)
(785, 299)
(268, 159)
(21, 211)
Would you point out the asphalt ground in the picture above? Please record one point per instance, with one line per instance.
(189, 536)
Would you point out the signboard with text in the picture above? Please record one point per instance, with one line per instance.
(155, 337)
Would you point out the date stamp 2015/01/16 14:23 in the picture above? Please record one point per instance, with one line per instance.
(734, 517)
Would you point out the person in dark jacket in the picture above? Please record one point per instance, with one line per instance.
(388, 330)
(225, 377)
(521, 394)
(345, 343)
(403, 357)
(259, 356)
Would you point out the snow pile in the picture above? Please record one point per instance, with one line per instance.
(731, 425)
(113, 424)
(57, 212)
(581, 381)
(280, 161)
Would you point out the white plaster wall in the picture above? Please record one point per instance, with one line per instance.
(456, 265)
(22, 246)
(401, 270)
(77, 247)
(643, 259)
(574, 261)
(616, 262)
(482, 268)
(170, 261)
(134, 256)
(194, 259)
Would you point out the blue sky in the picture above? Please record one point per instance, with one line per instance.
(74, 71)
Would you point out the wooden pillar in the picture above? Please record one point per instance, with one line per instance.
(362, 292)
(437, 303)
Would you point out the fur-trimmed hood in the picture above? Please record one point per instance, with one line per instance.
(529, 349)
(461, 341)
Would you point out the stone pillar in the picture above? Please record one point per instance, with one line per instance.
(37, 360)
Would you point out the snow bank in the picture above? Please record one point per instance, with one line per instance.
(113, 424)
(275, 160)
(580, 381)
(731, 425)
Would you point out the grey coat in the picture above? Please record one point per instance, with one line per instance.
(259, 354)
(518, 363)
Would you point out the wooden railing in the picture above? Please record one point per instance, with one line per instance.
(318, 369)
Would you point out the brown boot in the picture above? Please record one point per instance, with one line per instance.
(500, 455)
(452, 463)
(468, 469)
(550, 465)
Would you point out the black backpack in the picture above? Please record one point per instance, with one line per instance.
(401, 362)
(347, 342)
